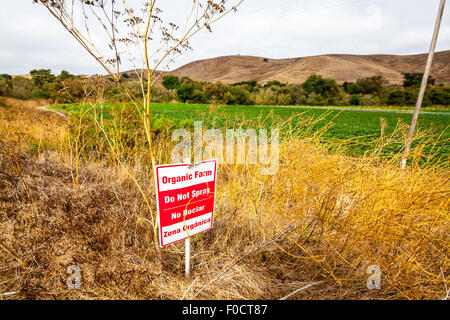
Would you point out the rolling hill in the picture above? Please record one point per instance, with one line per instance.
(342, 67)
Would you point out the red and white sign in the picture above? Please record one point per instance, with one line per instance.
(185, 198)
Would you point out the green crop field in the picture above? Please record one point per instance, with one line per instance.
(361, 126)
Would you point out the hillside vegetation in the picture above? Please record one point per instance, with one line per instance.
(314, 91)
(342, 67)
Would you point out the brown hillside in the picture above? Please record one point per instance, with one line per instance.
(230, 69)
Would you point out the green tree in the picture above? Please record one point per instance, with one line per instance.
(415, 79)
(64, 75)
(228, 98)
(275, 83)
(317, 100)
(320, 91)
(42, 76)
(440, 95)
(5, 76)
(355, 100)
(351, 88)
(371, 85)
(187, 80)
(297, 94)
(5, 84)
(242, 96)
(331, 88)
(411, 96)
(171, 82)
(396, 98)
(199, 97)
(249, 85)
(284, 99)
(314, 84)
(215, 90)
(185, 92)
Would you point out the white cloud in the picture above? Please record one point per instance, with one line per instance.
(31, 38)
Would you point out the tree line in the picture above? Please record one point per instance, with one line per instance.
(315, 91)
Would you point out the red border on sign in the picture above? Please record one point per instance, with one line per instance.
(157, 198)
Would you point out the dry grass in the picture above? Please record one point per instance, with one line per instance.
(348, 214)
(24, 123)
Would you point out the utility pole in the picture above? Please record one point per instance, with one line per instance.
(423, 85)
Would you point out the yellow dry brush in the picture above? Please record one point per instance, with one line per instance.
(350, 215)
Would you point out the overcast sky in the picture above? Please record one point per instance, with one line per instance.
(31, 38)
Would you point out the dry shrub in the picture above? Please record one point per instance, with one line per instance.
(348, 213)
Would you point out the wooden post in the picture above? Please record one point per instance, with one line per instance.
(423, 85)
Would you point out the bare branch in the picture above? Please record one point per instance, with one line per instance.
(301, 289)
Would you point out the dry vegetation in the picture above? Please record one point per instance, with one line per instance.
(342, 215)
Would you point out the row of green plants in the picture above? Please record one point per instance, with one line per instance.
(315, 91)
(362, 131)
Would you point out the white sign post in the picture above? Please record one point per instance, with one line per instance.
(187, 246)
(185, 199)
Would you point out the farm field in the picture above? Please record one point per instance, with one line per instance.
(361, 128)
(347, 122)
